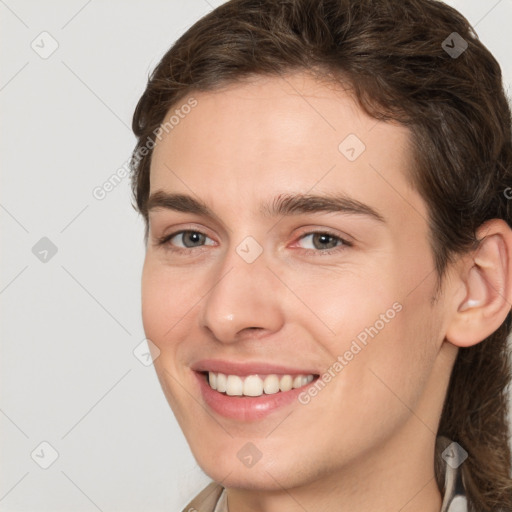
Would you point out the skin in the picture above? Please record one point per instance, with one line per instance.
(366, 441)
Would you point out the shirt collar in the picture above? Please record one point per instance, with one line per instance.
(222, 504)
(454, 499)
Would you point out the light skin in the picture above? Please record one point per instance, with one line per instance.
(366, 441)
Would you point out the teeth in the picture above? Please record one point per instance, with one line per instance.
(286, 383)
(254, 385)
(234, 385)
(221, 382)
(271, 384)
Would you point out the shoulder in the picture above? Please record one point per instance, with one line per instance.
(206, 500)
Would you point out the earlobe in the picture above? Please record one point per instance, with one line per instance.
(486, 277)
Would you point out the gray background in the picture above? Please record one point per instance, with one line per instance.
(71, 320)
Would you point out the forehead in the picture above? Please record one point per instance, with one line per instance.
(288, 134)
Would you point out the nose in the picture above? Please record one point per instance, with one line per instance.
(243, 297)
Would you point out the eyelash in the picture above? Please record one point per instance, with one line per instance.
(164, 241)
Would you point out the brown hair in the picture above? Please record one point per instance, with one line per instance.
(394, 56)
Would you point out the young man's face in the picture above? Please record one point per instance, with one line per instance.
(303, 292)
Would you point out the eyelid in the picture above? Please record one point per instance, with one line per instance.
(186, 227)
(348, 240)
(344, 243)
(165, 239)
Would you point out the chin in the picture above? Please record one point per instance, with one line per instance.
(272, 472)
(249, 478)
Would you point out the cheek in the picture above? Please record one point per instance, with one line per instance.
(167, 298)
(375, 392)
(347, 304)
(383, 332)
(153, 303)
(397, 361)
(165, 304)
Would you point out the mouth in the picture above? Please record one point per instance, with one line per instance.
(250, 392)
(257, 384)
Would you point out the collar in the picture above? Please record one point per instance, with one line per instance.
(454, 499)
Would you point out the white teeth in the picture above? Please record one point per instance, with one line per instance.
(254, 385)
(286, 383)
(271, 384)
(234, 385)
(221, 382)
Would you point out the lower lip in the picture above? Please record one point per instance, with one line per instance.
(244, 408)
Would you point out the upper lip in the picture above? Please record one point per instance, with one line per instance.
(248, 368)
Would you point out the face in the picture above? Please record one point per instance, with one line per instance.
(318, 310)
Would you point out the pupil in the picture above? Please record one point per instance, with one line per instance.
(324, 239)
(194, 236)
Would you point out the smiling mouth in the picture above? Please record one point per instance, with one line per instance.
(257, 384)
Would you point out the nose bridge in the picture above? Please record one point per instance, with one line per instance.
(242, 295)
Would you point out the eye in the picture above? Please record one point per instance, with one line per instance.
(189, 240)
(324, 242)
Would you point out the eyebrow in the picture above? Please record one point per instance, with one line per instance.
(281, 205)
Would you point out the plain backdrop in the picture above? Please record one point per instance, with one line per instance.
(77, 395)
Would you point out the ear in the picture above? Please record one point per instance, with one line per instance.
(483, 299)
